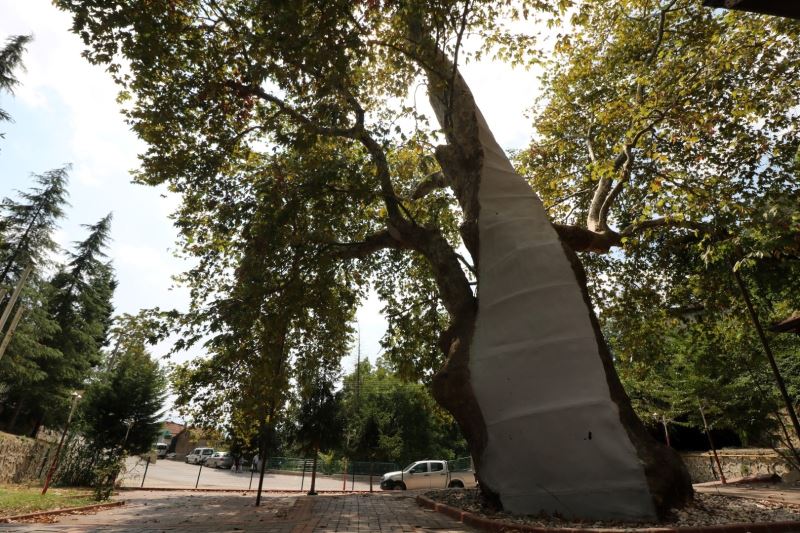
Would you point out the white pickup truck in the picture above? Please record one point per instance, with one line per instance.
(428, 474)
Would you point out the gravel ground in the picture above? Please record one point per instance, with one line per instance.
(706, 510)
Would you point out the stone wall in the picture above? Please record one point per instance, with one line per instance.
(22, 459)
(736, 463)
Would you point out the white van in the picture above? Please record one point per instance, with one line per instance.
(199, 455)
(161, 450)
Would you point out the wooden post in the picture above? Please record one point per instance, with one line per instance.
(18, 289)
(198, 476)
(146, 466)
(344, 476)
(11, 329)
(54, 465)
(313, 491)
(711, 443)
(768, 351)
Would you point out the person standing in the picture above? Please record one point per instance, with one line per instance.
(254, 466)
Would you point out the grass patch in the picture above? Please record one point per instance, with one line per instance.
(23, 499)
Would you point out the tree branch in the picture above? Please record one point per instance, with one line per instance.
(430, 183)
(581, 239)
(250, 90)
(356, 250)
(661, 222)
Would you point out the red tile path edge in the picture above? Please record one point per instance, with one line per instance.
(502, 526)
(65, 510)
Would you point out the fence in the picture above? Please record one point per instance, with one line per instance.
(462, 464)
(331, 467)
(282, 473)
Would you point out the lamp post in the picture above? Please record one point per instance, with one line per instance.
(75, 397)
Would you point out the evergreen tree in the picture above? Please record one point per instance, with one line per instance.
(80, 305)
(122, 407)
(27, 225)
(11, 60)
(22, 368)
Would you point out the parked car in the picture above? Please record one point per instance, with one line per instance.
(428, 474)
(199, 455)
(161, 450)
(220, 460)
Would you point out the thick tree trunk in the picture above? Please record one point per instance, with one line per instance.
(529, 377)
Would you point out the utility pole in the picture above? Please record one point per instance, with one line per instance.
(75, 397)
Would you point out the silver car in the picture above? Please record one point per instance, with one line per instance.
(219, 460)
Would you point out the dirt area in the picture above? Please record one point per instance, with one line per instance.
(706, 510)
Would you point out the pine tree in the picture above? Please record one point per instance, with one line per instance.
(121, 409)
(11, 60)
(27, 225)
(80, 306)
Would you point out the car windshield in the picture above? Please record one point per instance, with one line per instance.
(406, 469)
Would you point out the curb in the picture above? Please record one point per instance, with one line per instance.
(65, 510)
(503, 526)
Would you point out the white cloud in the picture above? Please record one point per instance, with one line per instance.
(102, 143)
(150, 262)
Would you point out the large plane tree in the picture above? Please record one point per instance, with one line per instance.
(315, 97)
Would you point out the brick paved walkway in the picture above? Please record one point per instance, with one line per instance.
(215, 512)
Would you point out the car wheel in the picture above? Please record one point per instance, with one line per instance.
(456, 484)
(399, 485)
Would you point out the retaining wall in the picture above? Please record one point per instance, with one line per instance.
(736, 463)
(21, 458)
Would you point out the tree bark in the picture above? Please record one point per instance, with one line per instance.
(528, 375)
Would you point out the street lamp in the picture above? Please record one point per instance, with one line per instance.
(75, 397)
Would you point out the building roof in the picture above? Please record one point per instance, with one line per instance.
(173, 427)
(780, 8)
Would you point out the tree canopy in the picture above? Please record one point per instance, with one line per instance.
(307, 173)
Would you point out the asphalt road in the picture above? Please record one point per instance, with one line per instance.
(176, 474)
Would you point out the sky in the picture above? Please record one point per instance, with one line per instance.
(65, 112)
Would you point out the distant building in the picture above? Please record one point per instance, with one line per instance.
(190, 438)
(170, 430)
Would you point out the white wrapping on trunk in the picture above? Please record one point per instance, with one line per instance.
(536, 370)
